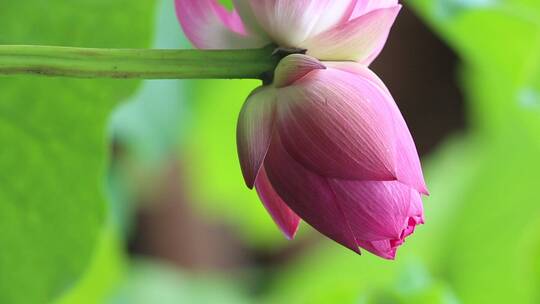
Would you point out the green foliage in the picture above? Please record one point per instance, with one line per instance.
(486, 245)
(329, 274)
(480, 244)
(151, 282)
(54, 148)
(227, 3)
(105, 272)
(489, 236)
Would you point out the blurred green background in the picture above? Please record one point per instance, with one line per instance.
(117, 191)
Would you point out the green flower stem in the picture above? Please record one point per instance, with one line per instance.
(137, 63)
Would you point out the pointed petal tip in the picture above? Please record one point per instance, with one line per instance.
(389, 255)
(250, 182)
(290, 232)
(419, 186)
(392, 174)
(424, 188)
(353, 248)
(248, 171)
(386, 174)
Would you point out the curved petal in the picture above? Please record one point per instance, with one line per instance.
(208, 25)
(381, 214)
(408, 167)
(383, 248)
(387, 248)
(308, 194)
(417, 208)
(375, 210)
(282, 215)
(409, 170)
(338, 125)
(289, 23)
(363, 7)
(294, 67)
(360, 39)
(254, 130)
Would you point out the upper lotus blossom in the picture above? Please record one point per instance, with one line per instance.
(327, 29)
(327, 143)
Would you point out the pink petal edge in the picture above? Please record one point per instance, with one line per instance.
(409, 169)
(282, 215)
(254, 131)
(360, 39)
(289, 23)
(308, 195)
(363, 7)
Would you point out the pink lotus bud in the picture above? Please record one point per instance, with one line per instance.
(328, 29)
(327, 143)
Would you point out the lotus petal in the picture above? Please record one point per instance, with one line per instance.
(294, 67)
(289, 23)
(338, 125)
(375, 210)
(361, 39)
(408, 167)
(254, 130)
(208, 25)
(282, 215)
(363, 7)
(308, 194)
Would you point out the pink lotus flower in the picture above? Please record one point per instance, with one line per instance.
(328, 29)
(327, 143)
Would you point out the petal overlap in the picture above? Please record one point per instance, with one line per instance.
(294, 67)
(376, 210)
(338, 126)
(408, 167)
(289, 23)
(360, 39)
(254, 131)
(308, 194)
(283, 216)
